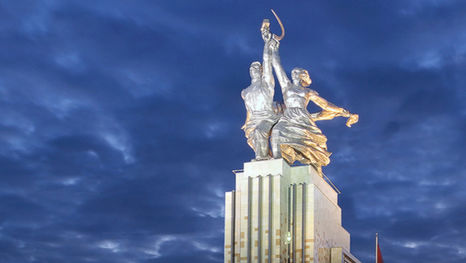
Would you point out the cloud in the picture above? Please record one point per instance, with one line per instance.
(120, 123)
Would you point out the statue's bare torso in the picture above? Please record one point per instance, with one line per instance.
(258, 97)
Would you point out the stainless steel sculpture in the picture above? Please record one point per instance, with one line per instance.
(258, 99)
(295, 137)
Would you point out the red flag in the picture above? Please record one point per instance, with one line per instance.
(379, 254)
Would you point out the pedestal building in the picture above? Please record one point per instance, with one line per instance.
(279, 213)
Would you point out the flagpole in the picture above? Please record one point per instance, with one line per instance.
(376, 247)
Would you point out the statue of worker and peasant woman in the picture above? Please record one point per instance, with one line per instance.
(287, 130)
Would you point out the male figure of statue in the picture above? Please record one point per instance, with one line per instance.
(296, 137)
(258, 99)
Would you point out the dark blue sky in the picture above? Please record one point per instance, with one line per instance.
(120, 123)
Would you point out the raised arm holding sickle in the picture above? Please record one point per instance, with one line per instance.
(296, 137)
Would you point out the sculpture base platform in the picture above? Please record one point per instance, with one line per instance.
(281, 214)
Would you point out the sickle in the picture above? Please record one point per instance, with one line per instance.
(281, 26)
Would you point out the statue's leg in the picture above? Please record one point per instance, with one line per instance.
(275, 142)
(263, 150)
(261, 145)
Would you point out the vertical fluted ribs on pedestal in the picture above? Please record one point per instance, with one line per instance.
(248, 241)
(233, 223)
(269, 247)
(303, 222)
(293, 236)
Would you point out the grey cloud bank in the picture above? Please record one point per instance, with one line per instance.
(120, 123)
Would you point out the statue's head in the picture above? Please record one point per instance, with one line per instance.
(255, 70)
(301, 77)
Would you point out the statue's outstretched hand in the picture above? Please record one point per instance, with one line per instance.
(265, 31)
(353, 118)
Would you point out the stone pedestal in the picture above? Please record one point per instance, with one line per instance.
(282, 214)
